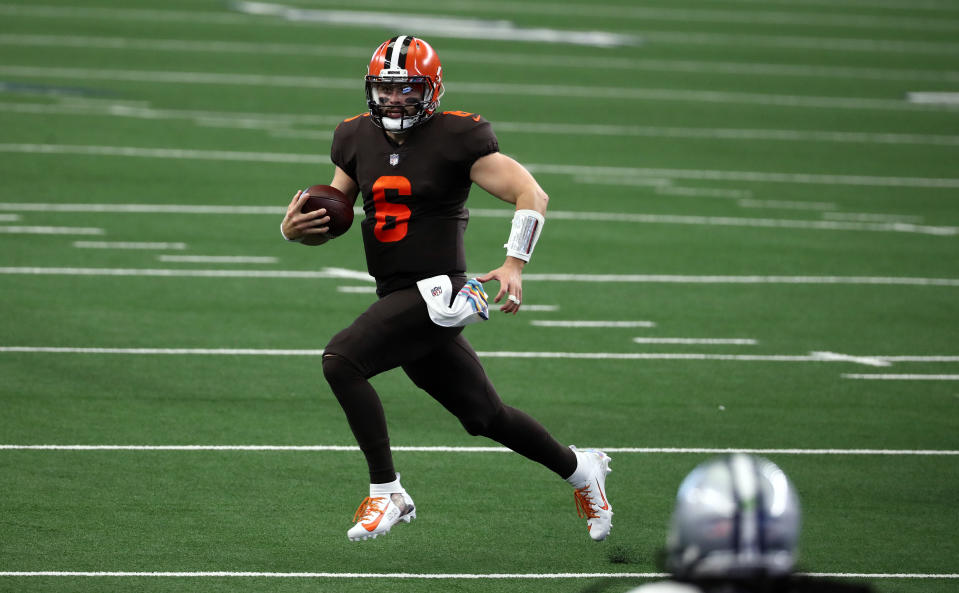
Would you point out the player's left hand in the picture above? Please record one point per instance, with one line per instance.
(510, 278)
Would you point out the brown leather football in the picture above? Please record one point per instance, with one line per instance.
(338, 207)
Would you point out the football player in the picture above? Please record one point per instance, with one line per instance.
(735, 529)
(414, 166)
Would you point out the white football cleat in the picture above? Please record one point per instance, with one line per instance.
(387, 505)
(589, 480)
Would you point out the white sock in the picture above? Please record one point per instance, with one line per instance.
(387, 488)
(580, 476)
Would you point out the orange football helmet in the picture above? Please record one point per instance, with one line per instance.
(404, 83)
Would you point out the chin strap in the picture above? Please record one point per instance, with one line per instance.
(402, 124)
(527, 226)
(394, 125)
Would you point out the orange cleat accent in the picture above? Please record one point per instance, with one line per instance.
(376, 515)
(589, 482)
(370, 507)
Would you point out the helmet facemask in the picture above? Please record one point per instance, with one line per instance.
(399, 102)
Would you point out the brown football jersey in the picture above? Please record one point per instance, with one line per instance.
(414, 194)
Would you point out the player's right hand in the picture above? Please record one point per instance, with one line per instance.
(310, 228)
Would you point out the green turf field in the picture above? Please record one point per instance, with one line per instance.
(753, 243)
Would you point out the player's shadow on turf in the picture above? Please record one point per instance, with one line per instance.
(621, 555)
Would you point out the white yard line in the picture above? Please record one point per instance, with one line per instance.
(547, 168)
(286, 15)
(704, 14)
(541, 308)
(533, 277)
(372, 290)
(499, 8)
(428, 576)
(565, 62)
(334, 575)
(625, 181)
(663, 186)
(832, 44)
(872, 217)
(817, 357)
(165, 351)
(749, 176)
(542, 323)
(218, 259)
(578, 216)
(689, 279)
(687, 356)
(702, 192)
(181, 273)
(275, 122)
(464, 449)
(873, 361)
(929, 5)
(144, 208)
(142, 110)
(873, 575)
(921, 358)
(70, 13)
(49, 230)
(127, 245)
(432, 25)
(933, 98)
(904, 377)
(592, 93)
(704, 341)
(739, 221)
(166, 153)
(695, 96)
(794, 205)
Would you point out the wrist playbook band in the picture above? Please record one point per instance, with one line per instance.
(527, 225)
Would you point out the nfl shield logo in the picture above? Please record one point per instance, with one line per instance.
(394, 159)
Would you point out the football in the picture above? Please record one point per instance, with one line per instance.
(338, 207)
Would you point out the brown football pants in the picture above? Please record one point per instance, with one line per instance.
(396, 331)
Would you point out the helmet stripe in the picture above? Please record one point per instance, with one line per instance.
(760, 508)
(396, 52)
(403, 52)
(737, 518)
(389, 52)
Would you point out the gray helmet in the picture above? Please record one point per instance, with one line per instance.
(736, 516)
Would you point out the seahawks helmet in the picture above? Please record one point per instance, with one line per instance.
(736, 516)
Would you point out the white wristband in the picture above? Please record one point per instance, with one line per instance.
(527, 225)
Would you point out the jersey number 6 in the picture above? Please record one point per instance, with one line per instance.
(392, 219)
